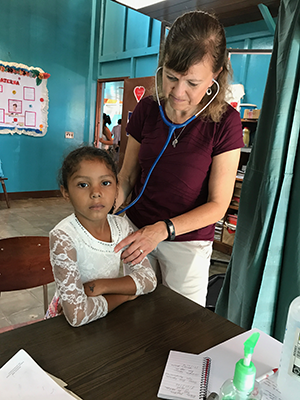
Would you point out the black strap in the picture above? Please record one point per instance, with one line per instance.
(171, 229)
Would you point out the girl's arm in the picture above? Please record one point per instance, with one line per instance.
(122, 285)
(139, 279)
(109, 140)
(77, 307)
(221, 183)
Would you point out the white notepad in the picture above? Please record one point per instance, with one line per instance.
(185, 377)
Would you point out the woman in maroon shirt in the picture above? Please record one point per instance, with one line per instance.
(192, 184)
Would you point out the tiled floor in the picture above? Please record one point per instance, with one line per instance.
(37, 217)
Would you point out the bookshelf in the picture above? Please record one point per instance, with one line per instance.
(224, 240)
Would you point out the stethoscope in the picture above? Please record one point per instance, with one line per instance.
(172, 128)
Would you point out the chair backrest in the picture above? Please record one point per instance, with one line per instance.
(24, 263)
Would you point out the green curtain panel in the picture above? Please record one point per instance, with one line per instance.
(263, 275)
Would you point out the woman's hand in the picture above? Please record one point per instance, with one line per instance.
(145, 239)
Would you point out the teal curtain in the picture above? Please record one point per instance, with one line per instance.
(263, 275)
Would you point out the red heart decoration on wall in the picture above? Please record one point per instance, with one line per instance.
(139, 92)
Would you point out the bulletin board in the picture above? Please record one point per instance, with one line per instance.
(24, 100)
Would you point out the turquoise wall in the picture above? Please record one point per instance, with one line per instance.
(129, 43)
(250, 70)
(55, 36)
(78, 41)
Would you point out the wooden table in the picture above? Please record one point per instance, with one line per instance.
(123, 355)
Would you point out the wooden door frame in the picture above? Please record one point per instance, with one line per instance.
(99, 105)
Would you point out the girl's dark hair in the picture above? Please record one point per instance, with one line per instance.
(193, 37)
(71, 162)
(106, 119)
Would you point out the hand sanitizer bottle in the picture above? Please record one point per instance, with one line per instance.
(289, 369)
(243, 386)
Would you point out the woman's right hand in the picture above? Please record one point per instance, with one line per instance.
(142, 242)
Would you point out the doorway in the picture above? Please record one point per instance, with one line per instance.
(109, 101)
(118, 98)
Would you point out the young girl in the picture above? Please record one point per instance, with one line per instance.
(85, 266)
(106, 139)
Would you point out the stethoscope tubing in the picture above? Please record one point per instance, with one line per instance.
(172, 128)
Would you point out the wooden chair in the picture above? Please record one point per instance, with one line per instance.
(4, 191)
(25, 263)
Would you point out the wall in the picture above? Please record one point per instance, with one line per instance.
(250, 70)
(55, 36)
(64, 38)
(129, 43)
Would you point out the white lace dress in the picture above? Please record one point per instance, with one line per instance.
(77, 257)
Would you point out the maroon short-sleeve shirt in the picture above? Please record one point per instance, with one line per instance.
(179, 182)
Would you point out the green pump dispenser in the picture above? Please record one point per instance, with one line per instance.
(243, 385)
(245, 371)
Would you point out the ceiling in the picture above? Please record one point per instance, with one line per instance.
(229, 12)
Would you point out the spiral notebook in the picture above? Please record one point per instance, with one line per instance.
(185, 377)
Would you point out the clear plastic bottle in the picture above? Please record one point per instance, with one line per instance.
(288, 380)
(230, 392)
(246, 136)
(243, 386)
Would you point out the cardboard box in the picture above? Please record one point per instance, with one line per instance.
(250, 113)
(228, 238)
(237, 192)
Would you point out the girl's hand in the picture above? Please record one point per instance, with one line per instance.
(132, 297)
(145, 239)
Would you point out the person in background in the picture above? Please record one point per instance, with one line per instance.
(85, 266)
(191, 186)
(106, 138)
(116, 134)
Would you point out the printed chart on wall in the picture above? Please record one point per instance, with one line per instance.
(24, 99)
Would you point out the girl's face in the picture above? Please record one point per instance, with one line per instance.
(185, 91)
(92, 190)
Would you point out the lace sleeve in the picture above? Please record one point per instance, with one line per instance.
(142, 274)
(78, 308)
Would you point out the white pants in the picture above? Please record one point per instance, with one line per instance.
(183, 266)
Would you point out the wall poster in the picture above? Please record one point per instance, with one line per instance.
(24, 99)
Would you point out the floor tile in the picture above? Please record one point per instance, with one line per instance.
(30, 314)
(4, 322)
(13, 302)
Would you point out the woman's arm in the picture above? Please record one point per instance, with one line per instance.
(221, 184)
(129, 171)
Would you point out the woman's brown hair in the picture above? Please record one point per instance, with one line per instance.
(194, 37)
